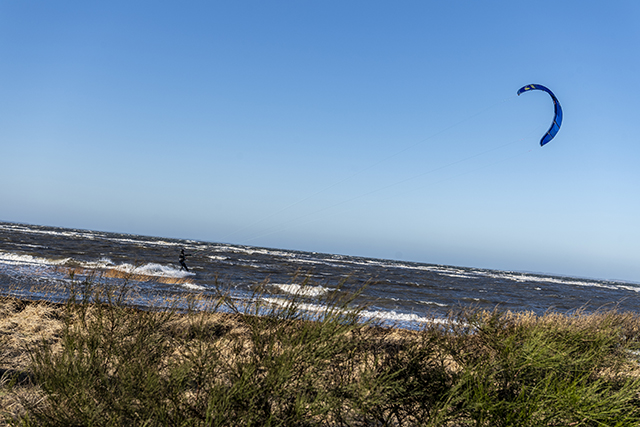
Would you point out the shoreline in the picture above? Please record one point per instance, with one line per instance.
(399, 290)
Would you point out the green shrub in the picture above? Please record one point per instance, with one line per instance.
(117, 365)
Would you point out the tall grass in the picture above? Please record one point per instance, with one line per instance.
(553, 370)
(117, 365)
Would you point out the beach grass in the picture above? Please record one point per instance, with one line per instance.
(96, 361)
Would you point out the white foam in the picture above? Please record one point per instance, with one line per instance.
(386, 316)
(154, 270)
(101, 263)
(629, 288)
(252, 251)
(460, 276)
(521, 277)
(65, 233)
(392, 316)
(309, 261)
(151, 269)
(143, 242)
(193, 286)
(434, 303)
(447, 271)
(307, 290)
(16, 259)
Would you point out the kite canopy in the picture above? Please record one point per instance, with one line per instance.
(557, 118)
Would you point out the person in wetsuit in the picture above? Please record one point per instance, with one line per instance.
(182, 259)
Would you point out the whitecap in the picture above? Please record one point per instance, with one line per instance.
(389, 317)
(193, 286)
(306, 290)
(16, 259)
(434, 303)
(154, 270)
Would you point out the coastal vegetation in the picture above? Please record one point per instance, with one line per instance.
(95, 360)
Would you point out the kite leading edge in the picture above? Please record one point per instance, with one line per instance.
(557, 118)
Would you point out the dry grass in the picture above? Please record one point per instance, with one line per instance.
(211, 368)
(22, 325)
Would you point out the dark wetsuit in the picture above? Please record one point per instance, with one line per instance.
(182, 258)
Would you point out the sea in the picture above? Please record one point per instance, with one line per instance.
(42, 262)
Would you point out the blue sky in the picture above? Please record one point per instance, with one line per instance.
(382, 129)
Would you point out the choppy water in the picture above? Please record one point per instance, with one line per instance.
(33, 258)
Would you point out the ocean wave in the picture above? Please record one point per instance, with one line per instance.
(443, 270)
(153, 270)
(629, 288)
(193, 286)
(251, 250)
(522, 277)
(93, 265)
(301, 290)
(150, 269)
(395, 317)
(143, 242)
(387, 317)
(438, 304)
(17, 259)
(65, 233)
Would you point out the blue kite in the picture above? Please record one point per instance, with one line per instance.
(557, 118)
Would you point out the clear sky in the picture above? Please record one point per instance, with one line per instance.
(384, 129)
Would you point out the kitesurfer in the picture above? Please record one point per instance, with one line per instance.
(182, 259)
